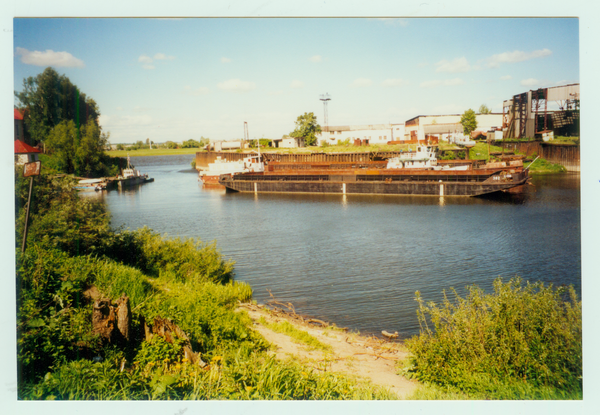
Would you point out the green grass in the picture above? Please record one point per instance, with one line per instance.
(542, 166)
(154, 152)
(183, 280)
(300, 336)
(520, 342)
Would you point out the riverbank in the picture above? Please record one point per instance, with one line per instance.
(352, 354)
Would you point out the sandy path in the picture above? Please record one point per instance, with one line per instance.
(367, 357)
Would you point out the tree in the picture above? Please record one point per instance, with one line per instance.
(468, 121)
(50, 98)
(79, 151)
(483, 109)
(307, 128)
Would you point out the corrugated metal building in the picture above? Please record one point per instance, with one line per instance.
(368, 134)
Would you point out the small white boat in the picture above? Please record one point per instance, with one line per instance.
(424, 158)
(92, 184)
(131, 176)
(250, 164)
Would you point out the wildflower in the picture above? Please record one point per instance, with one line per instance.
(217, 358)
(249, 388)
(185, 359)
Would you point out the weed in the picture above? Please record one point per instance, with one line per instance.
(519, 340)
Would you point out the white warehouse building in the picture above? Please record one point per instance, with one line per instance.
(368, 134)
(444, 126)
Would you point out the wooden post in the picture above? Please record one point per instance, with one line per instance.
(27, 215)
(29, 170)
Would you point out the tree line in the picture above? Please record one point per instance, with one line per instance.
(65, 120)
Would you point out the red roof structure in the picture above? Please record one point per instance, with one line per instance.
(18, 115)
(22, 148)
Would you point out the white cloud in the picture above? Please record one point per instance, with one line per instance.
(163, 57)
(436, 83)
(236, 85)
(297, 84)
(456, 65)
(119, 108)
(147, 60)
(455, 81)
(362, 82)
(316, 58)
(395, 82)
(530, 82)
(505, 77)
(49, 58)
(225, 60)
(515, 56)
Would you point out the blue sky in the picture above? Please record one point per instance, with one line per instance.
(176, 79)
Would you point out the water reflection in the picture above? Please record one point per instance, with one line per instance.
(357, 260)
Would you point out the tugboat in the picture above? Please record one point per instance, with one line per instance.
(250, 164)
(131, 176)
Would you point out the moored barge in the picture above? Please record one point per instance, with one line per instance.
(474, 182)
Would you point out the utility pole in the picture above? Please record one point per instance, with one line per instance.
(325, 98)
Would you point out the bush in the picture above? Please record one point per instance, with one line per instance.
(519, 335)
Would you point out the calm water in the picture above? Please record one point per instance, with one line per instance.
(358, 260)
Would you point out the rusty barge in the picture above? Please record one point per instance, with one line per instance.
(475, 182)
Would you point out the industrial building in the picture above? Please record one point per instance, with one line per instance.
(527, 115)
(446, 126)
(368, 134)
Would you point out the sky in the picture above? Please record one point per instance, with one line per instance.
(186, 78)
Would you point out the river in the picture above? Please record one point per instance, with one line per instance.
(357, 261)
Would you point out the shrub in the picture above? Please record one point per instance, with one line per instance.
(520, 334)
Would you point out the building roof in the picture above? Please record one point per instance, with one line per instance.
(22, 148)
(18, 115)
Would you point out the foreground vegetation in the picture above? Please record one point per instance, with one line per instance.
(72, 253)
(521, 342)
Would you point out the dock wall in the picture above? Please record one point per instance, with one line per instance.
(564, 154)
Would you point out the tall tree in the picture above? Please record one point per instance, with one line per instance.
(48, 99)
(468, 121)
(307, 128)
(483, 109)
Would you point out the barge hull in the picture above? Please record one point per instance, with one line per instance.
(371, 187)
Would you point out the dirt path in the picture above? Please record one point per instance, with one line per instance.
(367, 357)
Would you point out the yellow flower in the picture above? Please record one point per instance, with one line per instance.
(217, 358)
(249, 388)
(185, 359)
(305, 374)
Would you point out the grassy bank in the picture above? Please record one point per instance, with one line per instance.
(523, 341)
(154, 152)
(75, 262)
